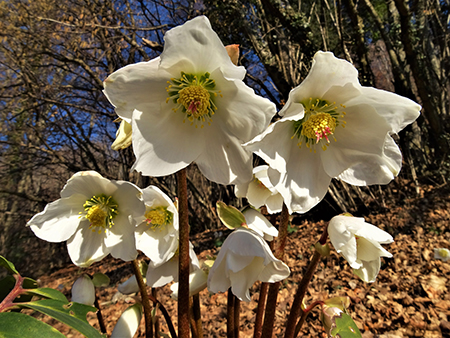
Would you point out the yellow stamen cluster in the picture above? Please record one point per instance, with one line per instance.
(158, 217)
(100, 211)
(320, 121)
(194, 95)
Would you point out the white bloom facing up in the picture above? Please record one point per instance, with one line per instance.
(95, 216)
(442, 254)
(243, 259)
(260, 191)
(157, 234)
(332, 127)
(83, 290)
(190, 104)
(360, 244)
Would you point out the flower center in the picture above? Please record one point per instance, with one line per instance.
(320, 121)
(443, 253)
(158, 217)
(194, 96)
(101, 210)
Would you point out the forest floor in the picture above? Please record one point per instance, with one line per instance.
(410, 297)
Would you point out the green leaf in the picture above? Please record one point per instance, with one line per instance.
(8, 265)
(100, 279)
(29, 283)
(48, 293)
(345, 327)
(19, 325)
(231, 217)
(72, 314)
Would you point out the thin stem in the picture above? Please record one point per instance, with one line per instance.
(145, 300)
(237, 308)
(197, 314)
(230, 314)
(100, 319)
(301, 291)
(269, 317)
(183, 265)
(194, 330)
(156, 322)
(260, 310)
(305, 314)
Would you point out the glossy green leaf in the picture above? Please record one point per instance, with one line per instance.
(48, 293)
(8, 265)
(345, 327)
(72, 314)
(100, 279)
(231, 217)
(25, 326)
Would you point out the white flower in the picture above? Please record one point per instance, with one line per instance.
(95, 216)
(332, 127)
(157, 235)
(190, 104)
(260, 224)
(359, 243)
(83, 290)
(442, 254)
(260, 191)
(243, 259)
(159, 275)
(128, 322)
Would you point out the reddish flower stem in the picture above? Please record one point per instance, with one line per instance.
(145, 300)
(230, 314)
(183, 265)
(301, 291)
(269, 317)
(8, 301)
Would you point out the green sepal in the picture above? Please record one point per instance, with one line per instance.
(20, 325)
(345, 327)
(8, 265)
(73, 314)
(48, 293)
(100, 279)
(231, 217)
(324, 250)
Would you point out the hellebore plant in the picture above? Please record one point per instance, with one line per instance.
(190, 105)
(95, 216)
(332, 127)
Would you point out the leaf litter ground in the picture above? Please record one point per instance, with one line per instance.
(410, 297)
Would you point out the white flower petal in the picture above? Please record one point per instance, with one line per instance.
(128, 322)
(156, 244)
(129, 286)
(257, 194)
(154, 134)
(205, 48)
(326, 71)
(224, 160)
(89, 184)
(399, 111)
(255, 220)
(59, 220)
(376, 169)
(121, 239)
(162, 274)
(363, 136)
(86, 247)
(128, 197)
(369, 270)
(197, 282)
(83, 290)
(242, 282)
(128, 88)
(274, 203)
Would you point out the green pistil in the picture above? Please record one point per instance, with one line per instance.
(100, 211)
(194, 96)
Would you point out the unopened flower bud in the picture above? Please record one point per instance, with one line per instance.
(128, 322)
(233, 53)
(123, 136)
(83, 291)
(197, 282)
